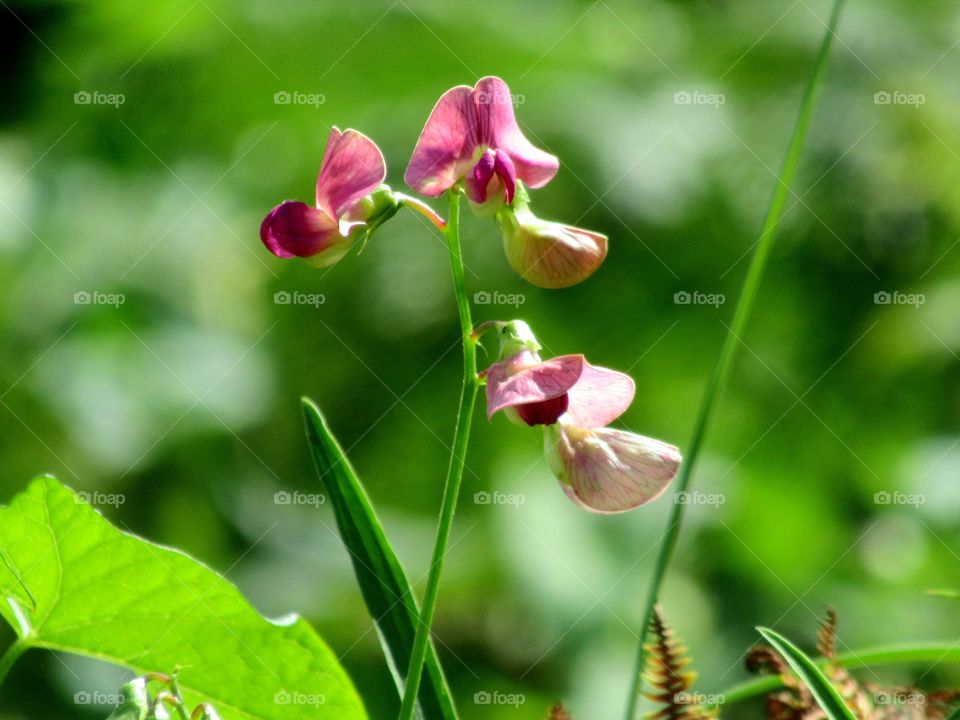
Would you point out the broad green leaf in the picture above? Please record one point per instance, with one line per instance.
(96, 591)
(826, 695)
(382, 581)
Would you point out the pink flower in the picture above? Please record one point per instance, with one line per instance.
(352, 169)
(601, 469)
(548, 254)
(472, 135)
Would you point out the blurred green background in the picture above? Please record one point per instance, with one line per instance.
(669, 119)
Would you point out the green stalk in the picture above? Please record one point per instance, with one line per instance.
(870, 657)
(721, 370)
(461, 435)
(9, 657)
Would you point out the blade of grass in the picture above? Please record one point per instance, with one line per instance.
(868, 657)
(721, 371)
(382, 581)
(827, 696)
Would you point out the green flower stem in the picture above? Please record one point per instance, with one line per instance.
(461, 435)
(721, 370)
(870, 657)
(9, 657)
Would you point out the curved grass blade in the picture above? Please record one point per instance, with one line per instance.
(826, 695)
(381, 578)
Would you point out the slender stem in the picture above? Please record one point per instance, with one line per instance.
(870, 657)
(461, 436)
(10, 656)
(721, 370)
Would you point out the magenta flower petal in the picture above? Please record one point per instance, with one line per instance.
(479, 178)
(499, 130)
(610, 471)
(599, 397)
(507, 173)
(294, 229)
(524, 379)
(445, 149)
(352, 168)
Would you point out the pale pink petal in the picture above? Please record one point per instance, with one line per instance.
(445, 149)
(609, 471)
(294, 229)
(599, 397)
(551, 255)
(352, 168)
(509, 384)
(498, 129)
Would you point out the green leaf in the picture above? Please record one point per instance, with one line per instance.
(381, 578)
(826, 695)
(96, 591)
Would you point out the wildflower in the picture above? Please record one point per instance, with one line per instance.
(472, 135)
(548, 254)
(351, 196)
(602, 469)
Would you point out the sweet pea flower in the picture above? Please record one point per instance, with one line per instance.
(472, 135)
(350, 196)
(601, 469)
(548, 254)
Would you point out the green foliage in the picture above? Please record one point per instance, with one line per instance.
(382, 581)
(74, 583)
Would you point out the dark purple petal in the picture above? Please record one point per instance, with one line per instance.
(546, 412)
(294, 229)
(507, 173)
(478, 178)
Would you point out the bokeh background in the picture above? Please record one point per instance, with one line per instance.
(670, 119)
